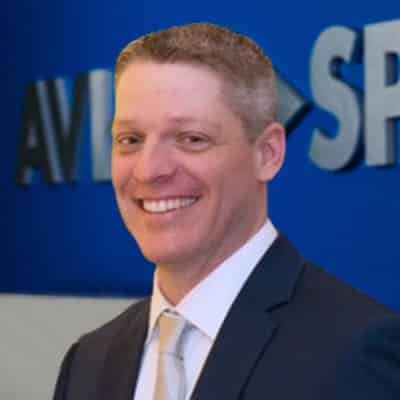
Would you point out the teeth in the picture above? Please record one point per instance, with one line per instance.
(160, 206)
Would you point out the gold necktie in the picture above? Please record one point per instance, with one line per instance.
(170, 383)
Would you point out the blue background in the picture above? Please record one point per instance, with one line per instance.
(69, 239)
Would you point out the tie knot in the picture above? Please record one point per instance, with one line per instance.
(172, 327)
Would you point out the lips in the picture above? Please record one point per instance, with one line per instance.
(165, 205)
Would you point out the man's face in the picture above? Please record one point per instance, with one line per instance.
(186, 178)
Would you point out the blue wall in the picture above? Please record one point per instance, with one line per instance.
(68, 238)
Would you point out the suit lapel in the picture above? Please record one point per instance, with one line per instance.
(233, 356)
(122, 364)
(248, 328)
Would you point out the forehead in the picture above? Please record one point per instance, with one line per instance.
(177, 91)
(143, 77)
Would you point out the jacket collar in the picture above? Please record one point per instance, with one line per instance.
(122, 364)
(248, 328)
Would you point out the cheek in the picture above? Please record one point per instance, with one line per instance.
(236, 171)
(120, 173)
(238, 182)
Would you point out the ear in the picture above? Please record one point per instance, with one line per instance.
(270, 149)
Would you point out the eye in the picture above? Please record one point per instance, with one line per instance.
(193, 141)
(127, 141)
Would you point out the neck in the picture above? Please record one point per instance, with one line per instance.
(174, 285)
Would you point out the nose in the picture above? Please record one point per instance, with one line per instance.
(154, 163)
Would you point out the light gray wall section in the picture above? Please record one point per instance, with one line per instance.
(35, 333)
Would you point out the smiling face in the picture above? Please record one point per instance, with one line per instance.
(189, 185)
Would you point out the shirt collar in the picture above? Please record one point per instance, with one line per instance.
(220, 287)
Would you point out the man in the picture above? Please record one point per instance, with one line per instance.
(235, 311)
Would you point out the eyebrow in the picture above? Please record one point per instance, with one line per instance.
(183, 120)
(122, 123)
(132, 123)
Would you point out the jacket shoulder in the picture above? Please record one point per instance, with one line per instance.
(82, 366)
(107, 331)
(337, 301)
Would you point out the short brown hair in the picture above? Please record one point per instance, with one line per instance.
(246, 71)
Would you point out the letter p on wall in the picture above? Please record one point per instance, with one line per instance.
(382, 91)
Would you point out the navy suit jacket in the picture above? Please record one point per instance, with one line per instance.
(374, 357)
(288, 335)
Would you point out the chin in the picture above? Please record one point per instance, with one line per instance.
(164, 257)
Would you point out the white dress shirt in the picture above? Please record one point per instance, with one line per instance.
(205, 307)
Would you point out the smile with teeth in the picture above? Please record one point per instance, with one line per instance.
(161, 206)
